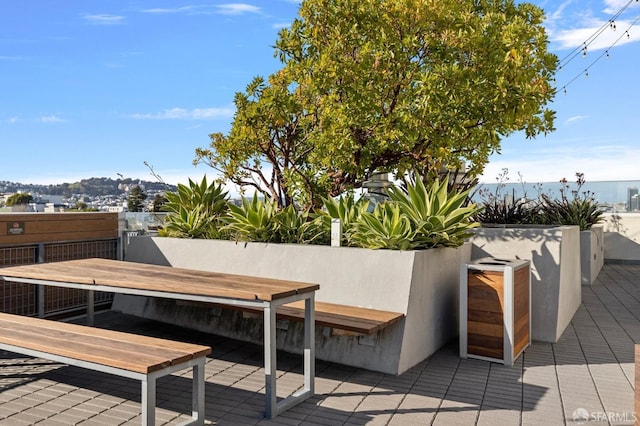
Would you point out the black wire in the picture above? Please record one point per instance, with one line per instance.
(605, 53)
(593, 37)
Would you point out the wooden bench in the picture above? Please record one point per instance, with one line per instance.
(348, 319)
(127, 355)
(342, 317)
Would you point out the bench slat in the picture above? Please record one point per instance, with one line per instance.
(111, 348)
(106, 334)
(159, 278)
(350, 318)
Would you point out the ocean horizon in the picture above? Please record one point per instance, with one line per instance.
(604, 192)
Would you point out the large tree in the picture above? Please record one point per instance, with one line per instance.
(19, 198)
(135, 201)
(267, 148)
(391, 85)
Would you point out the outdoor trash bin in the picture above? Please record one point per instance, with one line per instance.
(495, 306)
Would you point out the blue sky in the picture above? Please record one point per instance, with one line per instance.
(96, 88)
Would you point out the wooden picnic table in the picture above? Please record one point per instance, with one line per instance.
(194, 285)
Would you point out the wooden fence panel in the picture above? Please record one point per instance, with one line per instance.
(27, 228)
(27, 238)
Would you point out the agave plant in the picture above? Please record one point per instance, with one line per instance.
(253, 220)
(292, 226)
(195, 211)
(348, 209)
(439, 216)
(384, 228)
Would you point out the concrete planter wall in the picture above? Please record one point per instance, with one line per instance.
(423, 285)
(554, 252)
(622, 237)
(591, 253)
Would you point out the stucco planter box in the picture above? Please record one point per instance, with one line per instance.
(423, 285)
(554, 253)
(591, 253)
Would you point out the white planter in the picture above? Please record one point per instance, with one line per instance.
(591, 253)
(423, 285)
(554, 252)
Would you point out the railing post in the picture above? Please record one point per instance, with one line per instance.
(40, 291)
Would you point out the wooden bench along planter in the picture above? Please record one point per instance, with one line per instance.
(123, 354)
(348, 319)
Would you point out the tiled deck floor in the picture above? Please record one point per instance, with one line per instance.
(590, 370)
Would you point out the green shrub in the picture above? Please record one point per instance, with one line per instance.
(195, 211)
(261, 221)
(413, 219)
(252, 220)
(579, 209)
(384, 228)
(438, 216)
(298, 227)
(574, 207)
(508, 210)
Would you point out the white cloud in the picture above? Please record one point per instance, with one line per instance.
(572, 38)
(185, 114)
(280, 25)
(237, 9)
(613, 6)
(575, 118)
(104, 19)
(558, 13)
(51, 119)
(223, 9)
(183, 9)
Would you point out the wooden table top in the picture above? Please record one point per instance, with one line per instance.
(141, 276)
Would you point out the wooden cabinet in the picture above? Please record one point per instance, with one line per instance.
(495, 307)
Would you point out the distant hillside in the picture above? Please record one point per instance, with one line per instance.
(90, 187)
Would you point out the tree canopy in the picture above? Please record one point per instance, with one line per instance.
(135, 201)
(19, 198)
(387, 85)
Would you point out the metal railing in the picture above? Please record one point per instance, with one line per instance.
(22, 299)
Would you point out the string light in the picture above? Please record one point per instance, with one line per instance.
(593, 37)
(583, 47)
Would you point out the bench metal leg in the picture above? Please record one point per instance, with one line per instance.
(270, 368)
(90, 307)
(149, 401)
(309, 345)
(273, 407)
(198, 393)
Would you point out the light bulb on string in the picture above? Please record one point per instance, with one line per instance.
(584, 46)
